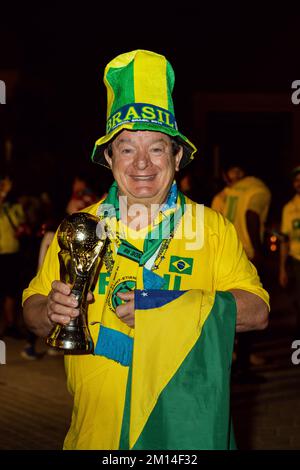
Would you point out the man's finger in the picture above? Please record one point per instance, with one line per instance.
(61, 287)
(61, 319)
(126, 295)
(68, 300)
(121, 313)
(90, 297)
(126, 308)
(63, 310)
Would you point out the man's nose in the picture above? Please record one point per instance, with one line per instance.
(142, 160)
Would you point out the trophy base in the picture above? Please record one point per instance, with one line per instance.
(72, 340)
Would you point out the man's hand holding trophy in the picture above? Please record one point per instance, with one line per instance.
(81, 237)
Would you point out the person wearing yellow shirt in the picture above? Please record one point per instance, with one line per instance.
(230, 176)
(290, 248)
(174, 285)
(245, 201)
(11, 219)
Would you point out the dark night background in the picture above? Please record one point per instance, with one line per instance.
(57, 106)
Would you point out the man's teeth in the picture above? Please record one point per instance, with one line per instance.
(143, 178)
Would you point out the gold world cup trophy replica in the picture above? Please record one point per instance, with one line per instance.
(81, 238)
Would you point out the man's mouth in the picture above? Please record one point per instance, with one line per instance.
(143, 177)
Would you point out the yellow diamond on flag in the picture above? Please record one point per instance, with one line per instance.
(181, 265)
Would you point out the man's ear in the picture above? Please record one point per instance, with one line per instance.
(178, 158)
(108, 158)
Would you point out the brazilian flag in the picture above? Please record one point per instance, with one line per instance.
(178, 390)
(181, 265)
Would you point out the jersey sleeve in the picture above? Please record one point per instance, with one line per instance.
(49, 272)
(234, 270)
(260, 201)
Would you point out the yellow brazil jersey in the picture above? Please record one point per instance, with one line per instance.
(10, 214)
(98, 384)
(290, 225)
(250, 193)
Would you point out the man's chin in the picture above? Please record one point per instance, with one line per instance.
(144, 195)
(142, 190)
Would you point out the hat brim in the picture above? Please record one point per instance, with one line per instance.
(189, 149)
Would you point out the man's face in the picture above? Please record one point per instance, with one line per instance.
(143, 165)
(233, 175)
(296, 183)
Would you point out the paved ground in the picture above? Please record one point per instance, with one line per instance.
(267, 415)
(35, 404)
(36, 407)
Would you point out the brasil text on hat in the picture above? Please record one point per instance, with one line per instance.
(139, 97)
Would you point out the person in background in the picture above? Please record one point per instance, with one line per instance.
(230, 176)
(289, 267)
(245, 201)
(12, 226)
(82, 194)
(48, 229)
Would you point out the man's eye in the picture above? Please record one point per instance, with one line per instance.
(156, 150)
(126, 151)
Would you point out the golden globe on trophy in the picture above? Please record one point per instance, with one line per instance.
(81, 238)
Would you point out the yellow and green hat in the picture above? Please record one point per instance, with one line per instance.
(139, 97)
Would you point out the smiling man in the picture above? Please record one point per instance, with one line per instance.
(164, 311)
(144, 165)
